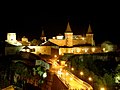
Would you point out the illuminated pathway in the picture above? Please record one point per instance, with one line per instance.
(70, 80)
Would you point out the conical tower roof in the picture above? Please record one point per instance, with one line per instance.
(68, 29)
(89, 30)
(43, 34)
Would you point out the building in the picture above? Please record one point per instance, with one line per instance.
(61, 44)
(76, 44)
(69, 39)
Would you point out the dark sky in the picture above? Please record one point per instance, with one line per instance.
(104, 20)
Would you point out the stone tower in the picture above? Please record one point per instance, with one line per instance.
(89, 36)
(43, 38)
(11, 37)
(69, 36)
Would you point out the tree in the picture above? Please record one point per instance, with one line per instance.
(19, 73)
(110, 81)
(35, 42)
(39, 70)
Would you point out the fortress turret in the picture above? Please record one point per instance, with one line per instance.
(69, 36)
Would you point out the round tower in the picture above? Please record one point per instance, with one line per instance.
(43, 38)
(11, 37)
(89, 36)
(69, 36)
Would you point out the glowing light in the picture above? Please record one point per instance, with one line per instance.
(93, 49)
(104, 49)
(81, 73)
(72, 69)
(71, 78)
(117, 79)
(55, 56)
(90, 79)
(86, 49)
(59, 73)
(28, 50)
(83, 38)
(65, 64)
(102, 88)
(78, 50)
(66, 73)
(60, 69)
(45, 75)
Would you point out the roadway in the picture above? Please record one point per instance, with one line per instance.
(70, 80)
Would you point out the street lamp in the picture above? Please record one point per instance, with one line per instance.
(55, 56)
(81, 73)
(102, 88)
(90, 79)
(72, 69)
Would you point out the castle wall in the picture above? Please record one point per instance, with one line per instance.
(79, 41)
(80, 50)
(62, 51)
(43, 50)
(59, 42)
(65, 50)
(86, 50)
(12, 50)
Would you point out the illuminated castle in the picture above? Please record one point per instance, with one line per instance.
(76, 44)
(69, 43)
(71, 40)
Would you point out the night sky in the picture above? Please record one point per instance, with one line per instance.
(104, 21)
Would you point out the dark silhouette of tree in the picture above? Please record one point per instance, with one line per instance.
(35, 42)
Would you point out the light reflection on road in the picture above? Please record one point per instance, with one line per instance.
(71, 81)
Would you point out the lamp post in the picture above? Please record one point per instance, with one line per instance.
(90, 79)
(81, 74)
(72, 69)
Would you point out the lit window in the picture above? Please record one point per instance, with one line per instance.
(93, 49)
(86, 49)
(28, 50)
(83, 38)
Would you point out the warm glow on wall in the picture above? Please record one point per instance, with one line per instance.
(28, 50)
(93, 49)
(102, 88)
(86, 49)
(78, 49)
(83, 38)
